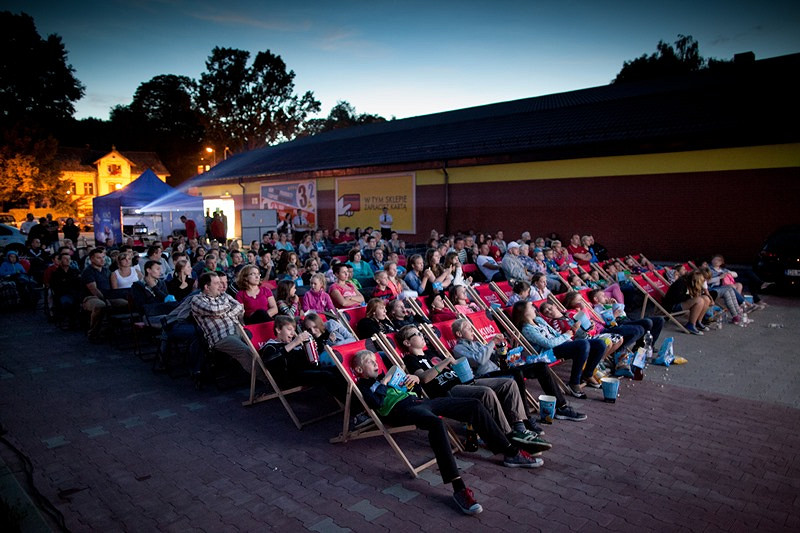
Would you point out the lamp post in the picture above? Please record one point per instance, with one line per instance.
(225, 153)
(212, 151)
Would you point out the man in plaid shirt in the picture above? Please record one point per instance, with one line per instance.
(219, 315)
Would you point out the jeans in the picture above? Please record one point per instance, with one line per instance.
(585, 355)
(631, 332)
(653, 324)
(426, 413)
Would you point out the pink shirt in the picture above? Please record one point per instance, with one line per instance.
(347, 291)
(317, 301)
(251, 305)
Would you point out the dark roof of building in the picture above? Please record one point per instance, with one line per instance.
(83, 159)
(748, 103)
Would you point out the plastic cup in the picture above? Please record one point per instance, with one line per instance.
(547, 408)
(610, 389)
(463, 371)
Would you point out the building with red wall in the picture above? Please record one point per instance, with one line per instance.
(677, 167)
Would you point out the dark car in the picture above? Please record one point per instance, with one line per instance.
(779, 258)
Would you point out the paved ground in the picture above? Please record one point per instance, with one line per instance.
(709, 446)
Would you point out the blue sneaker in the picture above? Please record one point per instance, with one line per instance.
(693, 330)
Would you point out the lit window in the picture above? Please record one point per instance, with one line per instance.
(88, 189)
(114, 170)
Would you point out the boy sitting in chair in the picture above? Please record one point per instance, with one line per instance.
(400, 407)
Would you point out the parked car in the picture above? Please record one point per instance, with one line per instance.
(11, 238)
(779, 258)
(9, 220)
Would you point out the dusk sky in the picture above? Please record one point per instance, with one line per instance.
(400, 58)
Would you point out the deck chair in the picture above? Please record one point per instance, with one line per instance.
(261, 334)
(651, 294)
(503, 289)
(343, 358)
(350, 317)
(485, 294)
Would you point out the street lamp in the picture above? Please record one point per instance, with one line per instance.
(212, 151)
(225, 153)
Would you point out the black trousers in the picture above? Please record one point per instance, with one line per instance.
(426, 413)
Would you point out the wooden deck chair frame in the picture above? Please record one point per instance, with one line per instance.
(500, 292)
(344, 321)
(279, 393)
(382, 429)
(505, 322)
(649, 298)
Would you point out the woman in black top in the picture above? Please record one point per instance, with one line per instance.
(182, 282)
(376, 320)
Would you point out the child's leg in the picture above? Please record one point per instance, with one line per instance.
(471, 411)
(488, 399)
(421, 415)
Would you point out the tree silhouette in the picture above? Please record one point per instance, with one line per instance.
(683, 58)
(246, 107)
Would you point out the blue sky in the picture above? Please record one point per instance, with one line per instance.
(400, 58)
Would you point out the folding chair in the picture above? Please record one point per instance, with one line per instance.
(651, 294)
(351, 316)
(262, 333)
(485, 294)
(503, 290)
(343, 358)
(469, 269)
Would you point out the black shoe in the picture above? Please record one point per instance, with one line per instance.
(566, 412)
(576, 391)
(533, 426)
(361, 420)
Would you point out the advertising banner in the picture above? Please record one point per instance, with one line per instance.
(297, 198)
(360, 201)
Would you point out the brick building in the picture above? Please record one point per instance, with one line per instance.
(678, 167)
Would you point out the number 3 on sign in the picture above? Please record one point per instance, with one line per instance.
(305, 196)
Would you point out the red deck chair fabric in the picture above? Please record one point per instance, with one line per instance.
(353, 315)
(538, 303)
(505, 287)
(270, 284)
(346, 352)
(262, 333)
(657, 282)
(487, 295)
(401, 260)
(469, 269)
(648, 288)
(423, 306)
(485, 325)
(444, 330)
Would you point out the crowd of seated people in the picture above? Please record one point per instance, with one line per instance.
(300, 282)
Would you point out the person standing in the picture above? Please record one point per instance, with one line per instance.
(385, 221)
(70, 230)
(191, 228)
(30, 222)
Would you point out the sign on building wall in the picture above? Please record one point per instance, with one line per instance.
(291, 197)
(360, 201)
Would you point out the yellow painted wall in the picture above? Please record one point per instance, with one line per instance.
(751, 157)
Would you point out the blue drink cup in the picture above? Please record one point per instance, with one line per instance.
(610, 389)
(463, 371)
(547, 408)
